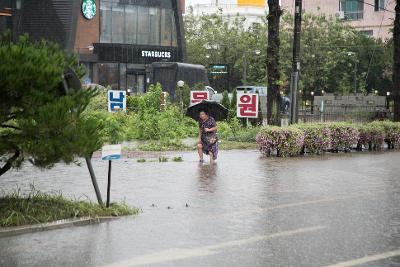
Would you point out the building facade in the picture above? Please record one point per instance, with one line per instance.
(116, 39)
(372, 17)
(253, 10)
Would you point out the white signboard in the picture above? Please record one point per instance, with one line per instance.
(198, 96)
(247, 106)
(116, 100)
(111, 152)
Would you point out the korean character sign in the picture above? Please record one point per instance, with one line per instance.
(116, 100)
(198, 96)
(247, 106)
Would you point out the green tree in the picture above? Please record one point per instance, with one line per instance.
(336, 58)
(37, 122)
(225, 100)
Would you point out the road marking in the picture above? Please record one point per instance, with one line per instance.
(180, 254)
(367, 259)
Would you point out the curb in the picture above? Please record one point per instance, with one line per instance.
(11, 231)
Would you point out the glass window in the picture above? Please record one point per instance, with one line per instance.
(106, 15)
(143, 32)
(174, 35)
(122, 76)
(135, 24)
(131, 17)
(108, 75)
(369, 33)
(118, 26)
(353, 9)
(379, 5)
(155, 21)
(166, 27)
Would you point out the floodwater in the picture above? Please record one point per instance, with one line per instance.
(246, 210)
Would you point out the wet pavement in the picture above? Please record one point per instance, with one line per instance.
(339, 210)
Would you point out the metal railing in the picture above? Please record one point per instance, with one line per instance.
(356, 114)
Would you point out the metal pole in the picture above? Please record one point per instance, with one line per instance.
(355, 77)
(108, 184)
(296, 62)
(94, 181)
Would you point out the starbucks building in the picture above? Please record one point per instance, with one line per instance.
(116, 39)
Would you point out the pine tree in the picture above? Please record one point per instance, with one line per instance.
(225, 99)
(38, 122)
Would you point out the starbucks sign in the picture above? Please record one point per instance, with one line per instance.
(89, 8)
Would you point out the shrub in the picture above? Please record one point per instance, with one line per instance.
(372, 135)
(317, 137)
(286, 141)
(343, 136)
(392, 132)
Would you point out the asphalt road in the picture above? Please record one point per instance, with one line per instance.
(335, 210)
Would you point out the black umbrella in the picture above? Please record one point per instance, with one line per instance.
(214, 109)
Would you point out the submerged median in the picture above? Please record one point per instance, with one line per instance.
(38, 208)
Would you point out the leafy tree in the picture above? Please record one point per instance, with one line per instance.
(37, 122)
(325, 47)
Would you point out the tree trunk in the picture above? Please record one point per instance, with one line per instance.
(396, 66)
(273, 72)
(9, 162)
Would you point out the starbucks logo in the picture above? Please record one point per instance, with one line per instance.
(89, 8)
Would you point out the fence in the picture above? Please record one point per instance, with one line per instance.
(356, 114)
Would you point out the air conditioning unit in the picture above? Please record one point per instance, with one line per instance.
(339, 14)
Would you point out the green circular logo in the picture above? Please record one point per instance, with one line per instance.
(89, 8)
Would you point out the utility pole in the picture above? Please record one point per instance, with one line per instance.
(245, 68)
(396, 64)
(294, 79)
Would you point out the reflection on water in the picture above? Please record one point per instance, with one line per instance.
(207, 177)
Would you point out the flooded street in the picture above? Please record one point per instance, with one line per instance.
(339, 210)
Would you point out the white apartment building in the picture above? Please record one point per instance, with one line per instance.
(252, 10)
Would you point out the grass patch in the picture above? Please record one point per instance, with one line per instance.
(229, 145)
(162, 159)
(141, 160)
(177, 159)
(38, 207)
(153, 146)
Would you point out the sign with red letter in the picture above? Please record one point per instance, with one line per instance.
(247, 106)
(198, 96)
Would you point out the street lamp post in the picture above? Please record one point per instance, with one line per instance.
(294, 80)
(355, 70)
(180, 84)
(245, 64)
(388, 100)
(312, 102)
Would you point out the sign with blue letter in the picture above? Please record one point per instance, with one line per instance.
(116, 100)
(111, 152)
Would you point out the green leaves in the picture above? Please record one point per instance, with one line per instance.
(36, 120)
(325, 46)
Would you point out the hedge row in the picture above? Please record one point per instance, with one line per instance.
(333, 137)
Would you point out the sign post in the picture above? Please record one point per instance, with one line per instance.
(110, 153)
(247, 106)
